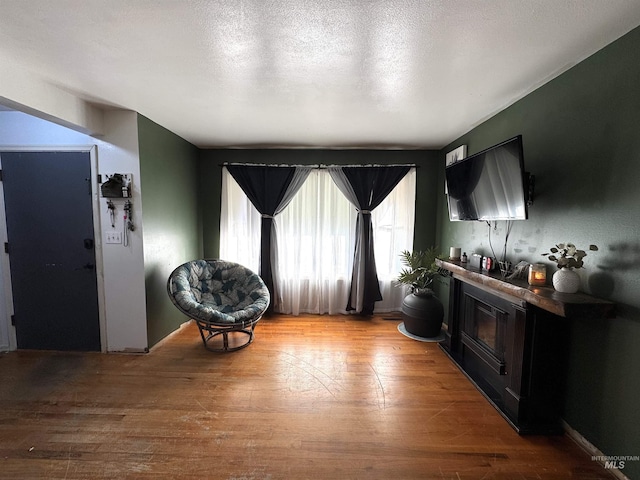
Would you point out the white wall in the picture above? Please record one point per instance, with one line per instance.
(27, 92)
(122, 272)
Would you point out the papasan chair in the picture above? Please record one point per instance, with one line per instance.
(222, 298)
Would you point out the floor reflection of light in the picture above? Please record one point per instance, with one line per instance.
(330, 384)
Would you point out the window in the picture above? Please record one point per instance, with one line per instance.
(316, 237)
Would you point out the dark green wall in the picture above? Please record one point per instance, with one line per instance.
(171, 226)
(580, 134)
(211, 178)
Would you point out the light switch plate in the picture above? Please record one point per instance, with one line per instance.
(113, 237)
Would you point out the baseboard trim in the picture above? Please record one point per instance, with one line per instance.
(591, 449)
(165, 339)
(129, 351)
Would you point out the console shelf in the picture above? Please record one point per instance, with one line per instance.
(561, 304)
(510, 340)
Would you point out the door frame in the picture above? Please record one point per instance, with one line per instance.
(5, 266)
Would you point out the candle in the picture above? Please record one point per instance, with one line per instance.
(537, 274)
(454, 253)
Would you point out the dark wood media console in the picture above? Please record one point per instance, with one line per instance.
(510, 340)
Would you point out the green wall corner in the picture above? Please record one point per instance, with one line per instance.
(172, 230)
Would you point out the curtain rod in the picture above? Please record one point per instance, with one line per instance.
(317, 166)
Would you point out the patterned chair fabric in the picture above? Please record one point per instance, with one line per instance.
(217, 293)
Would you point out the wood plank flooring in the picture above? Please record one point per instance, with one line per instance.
(314, 397)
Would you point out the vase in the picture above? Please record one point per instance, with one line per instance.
(566, 280)
(422, 313)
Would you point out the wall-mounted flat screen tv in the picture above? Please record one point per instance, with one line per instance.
(489, 185)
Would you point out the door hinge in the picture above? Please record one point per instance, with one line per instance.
(13, 320)
(6, 247)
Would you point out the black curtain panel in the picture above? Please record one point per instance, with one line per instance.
(366, 188)
(270, 189)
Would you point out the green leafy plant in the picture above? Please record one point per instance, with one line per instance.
(420, 268)
(568, 255)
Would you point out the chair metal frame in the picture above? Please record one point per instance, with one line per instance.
(209, 331)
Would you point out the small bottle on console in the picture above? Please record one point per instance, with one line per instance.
(463, 259)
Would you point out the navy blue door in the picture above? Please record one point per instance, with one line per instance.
(51, 249)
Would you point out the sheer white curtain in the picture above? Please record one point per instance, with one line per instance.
(393, 223)
(239, 225)
(316, 237)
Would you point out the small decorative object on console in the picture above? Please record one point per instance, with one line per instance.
(475, 261)
(537, 274)
(566, 280)
(488, 264)
(505, 268)
(519, 271)
(567, 256)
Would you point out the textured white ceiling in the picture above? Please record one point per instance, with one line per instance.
(332, 73)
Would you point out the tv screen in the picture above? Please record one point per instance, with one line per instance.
(489, 185)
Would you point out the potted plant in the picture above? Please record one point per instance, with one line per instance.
(568, 257)
(422, 311)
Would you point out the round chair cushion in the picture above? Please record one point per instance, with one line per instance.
(217, 291)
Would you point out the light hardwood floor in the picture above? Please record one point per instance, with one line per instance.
(314, 397)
